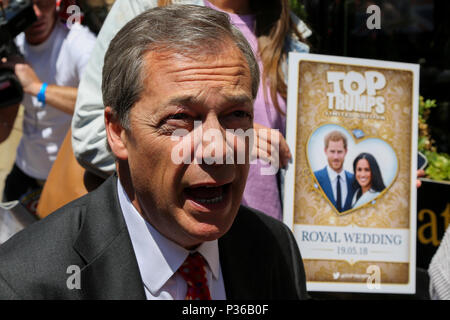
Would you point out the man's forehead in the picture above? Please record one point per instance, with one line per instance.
(224, 69)
(336, 143)
(187, 99)
(220, 53)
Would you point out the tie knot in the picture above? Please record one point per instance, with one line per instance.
(193, 272)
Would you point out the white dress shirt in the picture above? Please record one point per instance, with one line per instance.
(159, 258)
(333, 180)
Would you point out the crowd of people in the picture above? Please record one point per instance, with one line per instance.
(147, 230)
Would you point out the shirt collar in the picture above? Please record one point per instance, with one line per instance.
(333, 174)
(159, 258)
(210, 251)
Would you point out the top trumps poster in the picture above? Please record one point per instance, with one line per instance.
(350, 194)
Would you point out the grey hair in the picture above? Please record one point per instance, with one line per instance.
(183, 29)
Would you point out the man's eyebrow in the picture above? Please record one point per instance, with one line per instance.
(192, 100)
(182, 100)
(240, 99)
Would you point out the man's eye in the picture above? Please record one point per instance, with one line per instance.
(178, 116)
(177, 120)
(242, 114)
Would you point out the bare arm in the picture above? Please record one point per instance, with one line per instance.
(62, 98)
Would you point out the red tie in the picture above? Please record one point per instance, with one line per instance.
(193, 272)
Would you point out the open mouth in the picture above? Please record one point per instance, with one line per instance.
(208, 196)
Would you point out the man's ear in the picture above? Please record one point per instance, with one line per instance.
(115, 134)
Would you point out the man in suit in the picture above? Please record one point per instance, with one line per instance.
(336, 182)
(161, 229)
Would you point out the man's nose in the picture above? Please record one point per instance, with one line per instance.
(214, 143)
(37, 11)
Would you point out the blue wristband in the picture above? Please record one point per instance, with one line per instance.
(41, 95)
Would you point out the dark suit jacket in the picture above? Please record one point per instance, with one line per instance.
(324, 181)
(259, 256)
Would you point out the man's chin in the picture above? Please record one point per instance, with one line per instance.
(337, 168)
(36, 37)
(209, 226)
(201, 233)
(208, 234)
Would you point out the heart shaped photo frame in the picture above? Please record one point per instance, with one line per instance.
(350, 170)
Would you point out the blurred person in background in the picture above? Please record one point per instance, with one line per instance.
(55, 57)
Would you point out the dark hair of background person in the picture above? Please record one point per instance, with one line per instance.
(273, 24)
(377, 183)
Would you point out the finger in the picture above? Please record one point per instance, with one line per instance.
(269, 154)
(284, 160)
(263, 155)
(262, 150)
(21, 66)
(262, 144)
(285, 153)
(418, 183)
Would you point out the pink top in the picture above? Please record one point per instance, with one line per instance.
(261, 191)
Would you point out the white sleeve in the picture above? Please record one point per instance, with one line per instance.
(88, 128)
(79, 44)
(86, 41)
(439, 270)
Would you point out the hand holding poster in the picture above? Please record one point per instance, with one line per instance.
(350, 196)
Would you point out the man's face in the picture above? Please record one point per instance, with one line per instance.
(336, 154)
(41, 29)
(188, 203)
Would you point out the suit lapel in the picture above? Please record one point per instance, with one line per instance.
(111, 270)
(114, 274)
(242, 271)
(327, 186)
(236, 284)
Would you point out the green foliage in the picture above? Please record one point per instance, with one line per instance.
(425, 141)
(298, 8)
(438, 163)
